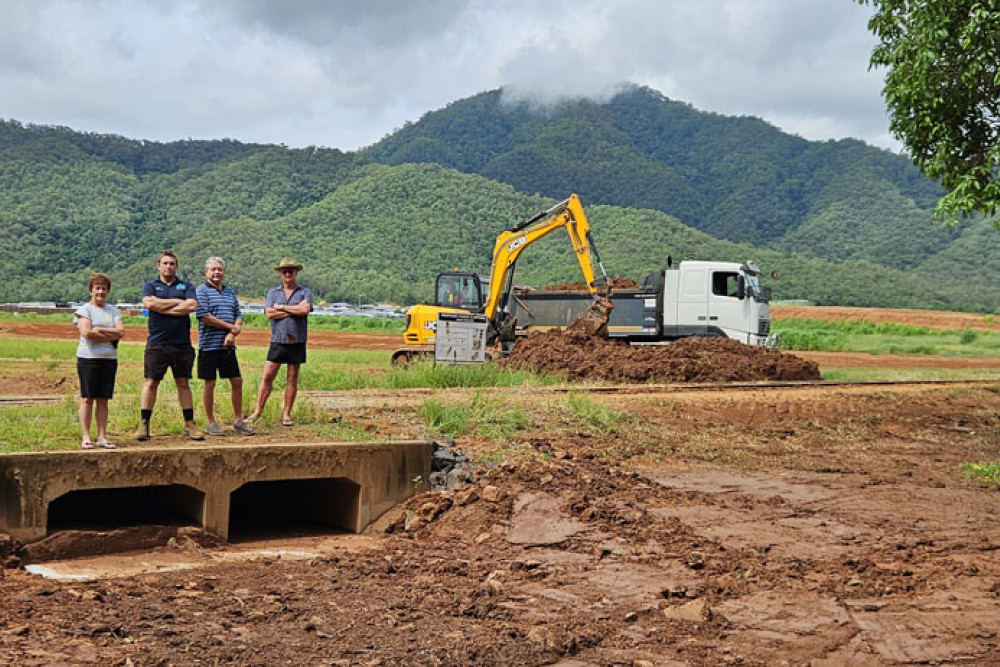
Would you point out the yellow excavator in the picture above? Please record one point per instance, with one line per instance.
(458, 292)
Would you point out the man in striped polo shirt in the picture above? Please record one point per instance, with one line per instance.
(219, 323)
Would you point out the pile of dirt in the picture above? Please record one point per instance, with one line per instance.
(578, 354)
(614, 283)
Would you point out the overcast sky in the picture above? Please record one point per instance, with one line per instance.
(344, 73)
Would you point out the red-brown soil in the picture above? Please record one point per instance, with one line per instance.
(578, 354)
(932, 319)
(34, 385)
(666, 526)
(818, 525)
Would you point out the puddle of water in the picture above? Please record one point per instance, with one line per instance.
(48, 572)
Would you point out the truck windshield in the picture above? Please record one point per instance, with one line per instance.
(753, 287)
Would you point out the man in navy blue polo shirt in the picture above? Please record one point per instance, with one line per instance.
(170, 301)
(220, 321)
(288, 308)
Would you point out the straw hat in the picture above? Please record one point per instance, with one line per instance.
(288, 263)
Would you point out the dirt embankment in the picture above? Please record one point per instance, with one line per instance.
(932, 319)
(578, 354)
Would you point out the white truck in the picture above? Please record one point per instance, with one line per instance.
(721, 299)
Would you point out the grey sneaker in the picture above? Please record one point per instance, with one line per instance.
(214, 429)
(244, 428)
(142, 433)
(192, 433)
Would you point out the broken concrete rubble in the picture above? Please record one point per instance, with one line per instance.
(450, 467)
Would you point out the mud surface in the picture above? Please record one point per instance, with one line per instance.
(811, 525)
(576, 353)
(758, 527)
(31, 385)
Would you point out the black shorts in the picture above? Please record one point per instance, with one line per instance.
(287, 353)
(178, 358)
(97, 377)
(222, 361)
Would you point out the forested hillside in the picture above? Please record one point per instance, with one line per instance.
(371, 231)
(739, 179)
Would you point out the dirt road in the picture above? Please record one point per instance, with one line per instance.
(814, 525)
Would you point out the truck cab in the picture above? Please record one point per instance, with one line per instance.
(716, 299)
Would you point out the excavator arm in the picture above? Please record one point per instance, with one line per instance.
(421, 319)
(510, 244)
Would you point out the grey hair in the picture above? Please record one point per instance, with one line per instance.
(212, 260)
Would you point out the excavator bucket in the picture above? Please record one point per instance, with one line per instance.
(599, 313)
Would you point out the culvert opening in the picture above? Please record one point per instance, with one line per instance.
(103, 509)
(293, 507)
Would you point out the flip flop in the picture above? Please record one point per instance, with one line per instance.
(87, 444)
(287, 422)
(106, 445)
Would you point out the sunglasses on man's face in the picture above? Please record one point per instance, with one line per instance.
(288, 271)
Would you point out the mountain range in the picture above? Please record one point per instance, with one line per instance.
(843, 222)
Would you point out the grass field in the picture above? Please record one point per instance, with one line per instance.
(884, 338)
(54, 425)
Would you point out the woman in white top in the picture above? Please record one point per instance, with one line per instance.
(101, 328)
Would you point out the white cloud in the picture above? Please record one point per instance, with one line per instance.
(343, 74)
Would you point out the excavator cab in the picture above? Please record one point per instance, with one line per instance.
(467, 291)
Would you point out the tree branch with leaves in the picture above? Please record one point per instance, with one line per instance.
(942, 90)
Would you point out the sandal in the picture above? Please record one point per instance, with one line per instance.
(106, 445)
(87, 444)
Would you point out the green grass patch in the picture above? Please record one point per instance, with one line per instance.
(596, 416)
(35, 427)
(878, 374)
(883, 338)
(332, 370)
(987, 474)
(485, 416)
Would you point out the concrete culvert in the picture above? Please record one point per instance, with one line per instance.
(289, 507)
(101, 509)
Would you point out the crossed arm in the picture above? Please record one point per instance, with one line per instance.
(280, 311)
(170, 306)
(100, 334)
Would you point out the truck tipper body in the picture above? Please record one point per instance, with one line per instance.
(721, 299)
